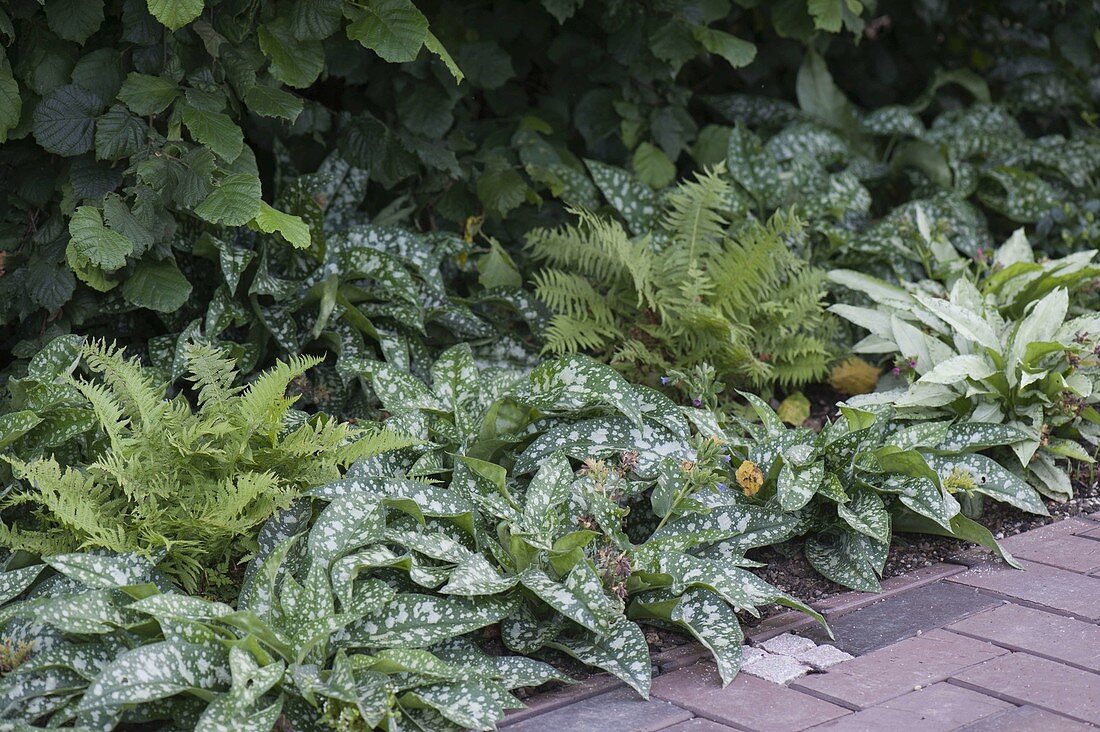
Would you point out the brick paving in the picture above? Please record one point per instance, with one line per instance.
(969, 645)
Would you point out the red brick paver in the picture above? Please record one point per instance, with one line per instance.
(1019, 719)
(1008, 650)
(1039, 585)
(624, 709)
(748, 703)
(1058, 545)
(698, 725)
(1040, 633)
(939, 707)
(895, 670)
(1025, 679)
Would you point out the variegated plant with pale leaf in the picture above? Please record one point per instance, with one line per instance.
(997, 343)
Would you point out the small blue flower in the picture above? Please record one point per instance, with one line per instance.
(697, 402)
(726, 458)
(722, 487)
(665, 380)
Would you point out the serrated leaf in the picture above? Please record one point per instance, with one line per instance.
(652, 166)
(826, 14)
(74, 20)
(215, 130)
(737, 51)
(11, 103)
(501, 190)
(433, 44)
(293, 229)
(819, 95)
(95, 243)
(294, 62)
(234, 202)
(146, 95)
(394, 29)
(118, 134)
(271, 101)
(157, 285)
(64, 120)
(175, 13)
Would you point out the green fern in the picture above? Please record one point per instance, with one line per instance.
(187, 486)
(696, 289)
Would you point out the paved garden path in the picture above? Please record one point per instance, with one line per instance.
(972, 645)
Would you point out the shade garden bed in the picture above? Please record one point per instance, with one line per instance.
(376, 365)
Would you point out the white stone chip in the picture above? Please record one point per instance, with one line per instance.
(823, 657)
(776, 669)
(787, 644)
(750, 654)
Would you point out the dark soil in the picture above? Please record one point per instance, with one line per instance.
(909, 552)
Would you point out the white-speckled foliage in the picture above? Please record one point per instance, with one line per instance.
(844, 487)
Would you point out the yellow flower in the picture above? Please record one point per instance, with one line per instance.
(750, 477)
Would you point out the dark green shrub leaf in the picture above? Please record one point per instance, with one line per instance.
(64, 121)
(233, 202)
(157, 285)
(394, 29)
(145, 94)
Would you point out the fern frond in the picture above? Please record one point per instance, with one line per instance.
(108, 412)
(73, 500)
(212, 371)
(687, 293)
(694, 216)
(571, 335)
(264, 403)
(572, 296)
(370, 442)
(132, 386)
